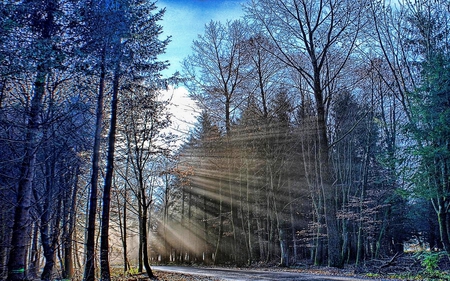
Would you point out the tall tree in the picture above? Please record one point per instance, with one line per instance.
(315, 39)
(129, 51)
(215, 70)
(430, 115)
(413, 41)
(95, 15)
(40, 22)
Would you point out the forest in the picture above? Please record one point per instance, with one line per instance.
(323, 137)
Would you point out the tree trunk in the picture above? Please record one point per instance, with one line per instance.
(104, 238)
(325, 176)
(49, 253)
(48, 212)
(123, 228)
(34, 258)
(144, 245)
(20, 239)
(293, 228)
(220, 234)
(89, 270)
(144, 205)
(206, 248)
(68, 270)
(188, 249)
(443, 227)
(249, 222)
(141, 223)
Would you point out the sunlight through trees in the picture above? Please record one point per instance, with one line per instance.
(323, 137)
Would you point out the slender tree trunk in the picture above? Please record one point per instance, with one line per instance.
(141, 223)
(20, 240)
(68, 237)
(48, 214)
(144, 245)
(49, 253)
(89, 270)
(34, 258)
(123, 228)
(206, 251)
(189, 253)
(55, 232)
(220, 234)
(269, 226)
(259, 225)
(167, 249)
(231, 197)
(249, 222)
(293, 228)
(104, 237)
(443, 227)
(144, 220)
(326, 180)
(243, 219)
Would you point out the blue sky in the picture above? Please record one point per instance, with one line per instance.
(185, 19)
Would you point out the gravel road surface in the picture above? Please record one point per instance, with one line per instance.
(252, 275)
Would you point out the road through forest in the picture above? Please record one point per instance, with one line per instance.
(252, 274)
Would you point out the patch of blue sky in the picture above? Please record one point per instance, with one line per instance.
(185, 20)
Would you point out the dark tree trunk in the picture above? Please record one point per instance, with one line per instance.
(68, 269)
(217, 251)
(141, 223)
(144, 244)
(89, 270)
(124, 239)
(21, 228)
(34, 258)
(21, 231)
(48, 213)
(443, 227)
(46, 238)
(333, 235)
(104, 242)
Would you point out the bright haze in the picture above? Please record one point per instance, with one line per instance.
(184, 20)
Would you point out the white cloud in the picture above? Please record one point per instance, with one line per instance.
(183, 109)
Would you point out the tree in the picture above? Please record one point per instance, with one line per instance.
(144, 118)
(45, 54)
(130, 46)
(413, 40)
(315, 39)
(218, 58)
(430, 115)
(199, 163)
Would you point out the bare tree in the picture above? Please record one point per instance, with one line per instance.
(311, 36)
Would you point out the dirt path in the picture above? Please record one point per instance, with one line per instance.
(252, 275)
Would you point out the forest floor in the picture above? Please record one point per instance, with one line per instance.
(399, 267)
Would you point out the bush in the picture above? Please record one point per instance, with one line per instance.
(430, 260)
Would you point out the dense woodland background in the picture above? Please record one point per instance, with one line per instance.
(323, 138)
